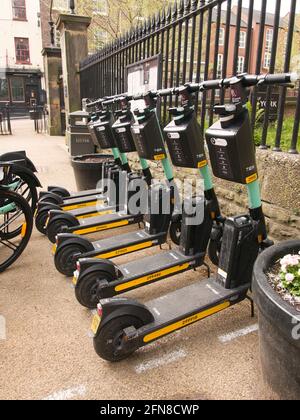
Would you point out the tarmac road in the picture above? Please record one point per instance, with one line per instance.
(48, 352)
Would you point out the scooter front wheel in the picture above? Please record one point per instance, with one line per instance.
(110, 343)
(87, 288)
(64, 258)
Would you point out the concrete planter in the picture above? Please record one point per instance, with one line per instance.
(279, 330)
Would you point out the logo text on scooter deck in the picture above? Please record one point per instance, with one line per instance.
(186, 321)
(125, 250)
(150, 277)
(99, 228)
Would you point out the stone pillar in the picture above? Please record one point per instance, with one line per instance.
(74, 48)
(52, 66)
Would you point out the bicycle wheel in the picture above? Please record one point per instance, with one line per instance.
(15, 216)
(22, 184)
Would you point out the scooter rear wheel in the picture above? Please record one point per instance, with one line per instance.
(55, 227)
(175, 232)
(40, 221)
(109, 342)
(64, 258)
(87, 288)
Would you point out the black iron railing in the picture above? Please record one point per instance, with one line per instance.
(201, 39)
(5, 125)
(39, 115)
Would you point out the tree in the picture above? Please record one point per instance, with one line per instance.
(112, 18)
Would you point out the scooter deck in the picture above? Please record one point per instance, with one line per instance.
(85, 193)
(92, 211)
(105, 222)
(193, 300)
(157, 263)
(126, 243)
(83, 200)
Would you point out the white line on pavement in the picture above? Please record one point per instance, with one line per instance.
(164, 360)
(2, 328)
(67, 394)
(239, 333)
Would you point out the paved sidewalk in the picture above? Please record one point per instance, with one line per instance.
(48, 353)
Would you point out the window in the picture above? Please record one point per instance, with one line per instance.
(221, 36)
(99, 7)
(240, 64)
(267, 60)
(17, 89)
(22, 51)
(100, 38)
(285, 44)
(220, 65)
(4, 95)
(61, 5)
(242, 39)
(56, 37)
(269, 40)
(19, 9)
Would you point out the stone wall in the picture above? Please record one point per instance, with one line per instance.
(280, 183)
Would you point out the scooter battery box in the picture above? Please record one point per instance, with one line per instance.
(184, 150)
(117, 188)
(148, 138)
(239, 251)
(159, 211)
(232, 151)
(123, 136)
(105, 134)
(136, 202)
(195, 227)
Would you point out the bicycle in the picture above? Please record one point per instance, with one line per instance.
(16, 219)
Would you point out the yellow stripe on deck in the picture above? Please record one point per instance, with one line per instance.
(186, 321)
(151, 277)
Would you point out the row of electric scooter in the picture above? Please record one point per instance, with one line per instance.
(122, 325)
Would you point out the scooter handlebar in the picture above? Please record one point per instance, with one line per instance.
(94, 103)
(283, 78)
(166, 92)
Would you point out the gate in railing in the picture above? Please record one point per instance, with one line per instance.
(202, 39)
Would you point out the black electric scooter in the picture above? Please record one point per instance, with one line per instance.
(103, 278)
(87, 203)
(71, 247)
(59, 222)
(115, 201)
(123, 325)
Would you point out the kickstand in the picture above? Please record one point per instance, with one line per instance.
(252, 306)
(208, 269)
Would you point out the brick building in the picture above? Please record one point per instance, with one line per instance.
(21, 63)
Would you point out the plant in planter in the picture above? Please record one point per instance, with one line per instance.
(276, 289)
(285, 279)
